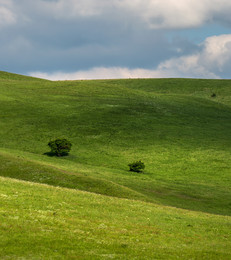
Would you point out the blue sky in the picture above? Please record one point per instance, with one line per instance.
(84, 39)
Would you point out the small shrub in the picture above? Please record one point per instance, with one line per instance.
(60, 147)
(137, 166)
(213, 95)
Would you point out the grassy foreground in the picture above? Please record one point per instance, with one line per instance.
(42, 222)
(176, 126)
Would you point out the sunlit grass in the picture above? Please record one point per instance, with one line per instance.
(174, 126)
(39, 222)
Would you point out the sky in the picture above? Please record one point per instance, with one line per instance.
(102, 39)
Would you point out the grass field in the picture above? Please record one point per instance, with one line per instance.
(174, 126)
(41, 222)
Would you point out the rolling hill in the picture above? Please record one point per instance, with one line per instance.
(180, 129)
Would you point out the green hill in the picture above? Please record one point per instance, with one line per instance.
(43, 222)
(177, 127)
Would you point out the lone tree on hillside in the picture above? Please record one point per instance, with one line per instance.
(60, 147)
(137, 166)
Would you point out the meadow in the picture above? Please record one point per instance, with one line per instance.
(88, 205)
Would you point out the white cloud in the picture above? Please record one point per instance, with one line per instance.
(217, 52)
(99, 73)
(7, 16)
(160, 14)
(156, 14)
(211, 61)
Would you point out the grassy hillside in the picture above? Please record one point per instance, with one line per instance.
(174, 125)
(43, 222)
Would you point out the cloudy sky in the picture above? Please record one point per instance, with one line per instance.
(83, 39)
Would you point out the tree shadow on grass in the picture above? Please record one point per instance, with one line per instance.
(51, 154)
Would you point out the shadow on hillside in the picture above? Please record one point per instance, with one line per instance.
(66, 156)
(50, 154)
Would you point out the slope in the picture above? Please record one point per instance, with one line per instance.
(43, 222)
(174, 125)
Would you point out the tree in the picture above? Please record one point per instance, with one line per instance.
(137, 166)
(60, 147)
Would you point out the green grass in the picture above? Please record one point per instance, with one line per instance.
(41, 222)
(19, 168)
(174, 126)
